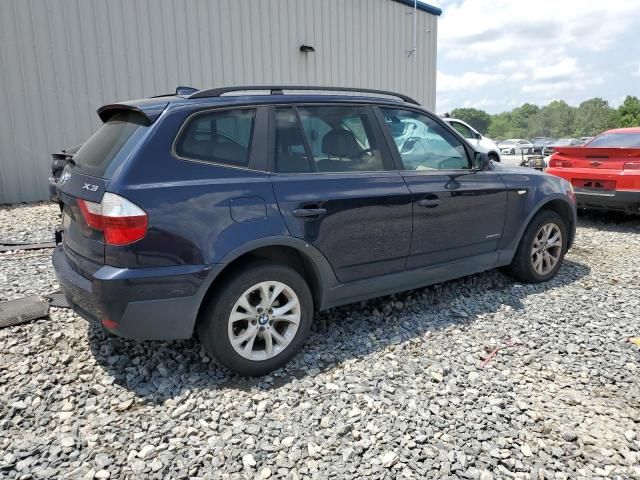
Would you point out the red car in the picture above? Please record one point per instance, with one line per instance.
(605, 172)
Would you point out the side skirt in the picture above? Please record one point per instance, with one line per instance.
(357, 291)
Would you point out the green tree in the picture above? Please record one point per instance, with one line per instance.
(593, 116)
(557, 119)
(478, 119)
(629, 112)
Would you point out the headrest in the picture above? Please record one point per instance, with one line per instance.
(341, 143)
(288, 136)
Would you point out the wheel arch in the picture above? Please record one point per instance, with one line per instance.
(493, 153)
(296, 253)
(559, 204)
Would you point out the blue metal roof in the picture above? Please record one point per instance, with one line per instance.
(422, 6)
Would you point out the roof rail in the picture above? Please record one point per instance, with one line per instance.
(279, 90)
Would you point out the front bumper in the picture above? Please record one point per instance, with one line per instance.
(619, 200)
(144, 304)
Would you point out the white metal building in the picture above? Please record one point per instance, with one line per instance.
(62, 59)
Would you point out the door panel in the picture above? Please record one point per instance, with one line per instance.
(458, 212)
(456, 215)
(337, 188)
(362, 224)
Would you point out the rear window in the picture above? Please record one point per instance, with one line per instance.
(218, 137)
(629, 140)
(110, 144)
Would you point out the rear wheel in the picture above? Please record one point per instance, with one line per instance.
(541, 250)
(258, 320)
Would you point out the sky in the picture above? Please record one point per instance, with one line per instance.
(498, 54)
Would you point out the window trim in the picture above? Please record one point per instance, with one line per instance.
(387, 156)
(256, 161)
(395, 153)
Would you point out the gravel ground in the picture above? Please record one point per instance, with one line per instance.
(391, 388)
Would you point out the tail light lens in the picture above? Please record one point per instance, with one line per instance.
(631, 166)
(120, 220)
(558, 163)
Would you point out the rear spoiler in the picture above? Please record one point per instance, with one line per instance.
(598, 152)
(150, 109)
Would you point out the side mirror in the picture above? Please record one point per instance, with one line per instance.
(481, 161)
(478, 136)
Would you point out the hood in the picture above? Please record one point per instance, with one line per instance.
(504, 168)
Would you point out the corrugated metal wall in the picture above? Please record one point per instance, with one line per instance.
(61, 59)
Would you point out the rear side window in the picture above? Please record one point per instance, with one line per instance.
(218, 137)
(110, 144)
(621, 140)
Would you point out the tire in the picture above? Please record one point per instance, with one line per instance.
(526, 265)
(257, 325)
(494, 157)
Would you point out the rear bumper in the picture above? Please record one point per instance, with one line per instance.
(620, 200)
(143, 304)
(624, 197)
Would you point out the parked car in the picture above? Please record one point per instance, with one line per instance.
(539, 144)
(480, 142)
(240, 215)
(605, 172)
(561, 142)
(515, 146)
(58, 162)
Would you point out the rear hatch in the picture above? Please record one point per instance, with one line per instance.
(86, 177)
(596, 168)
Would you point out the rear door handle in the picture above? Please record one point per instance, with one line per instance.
(309, 212)
(428, 202)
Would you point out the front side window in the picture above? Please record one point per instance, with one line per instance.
(424, 144)
(463, 130)
(219, 137)
(326, 139)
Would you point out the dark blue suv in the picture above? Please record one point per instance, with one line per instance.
(241, 211)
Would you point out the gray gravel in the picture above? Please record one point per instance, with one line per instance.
(29, 223)
(391, 388)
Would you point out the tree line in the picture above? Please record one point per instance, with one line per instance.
(555, 120)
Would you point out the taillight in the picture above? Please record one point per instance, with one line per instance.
(631, 166)
(120, 220)
(558, 163)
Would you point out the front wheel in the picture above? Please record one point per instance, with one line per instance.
(541, 250)
(494, 157)
(258, 320)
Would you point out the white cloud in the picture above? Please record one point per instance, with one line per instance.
(510, 52)
(466, 81)
(561, 69)
(491, 28)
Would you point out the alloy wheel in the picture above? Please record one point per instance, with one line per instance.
(264, 320)
(546, 249)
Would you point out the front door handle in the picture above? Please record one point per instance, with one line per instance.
(428, 202)
(309, 212)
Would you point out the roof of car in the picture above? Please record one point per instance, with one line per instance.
(151, 108)
(624, 130)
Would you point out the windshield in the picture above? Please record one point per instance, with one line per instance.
(629, 140)
(112, 141)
